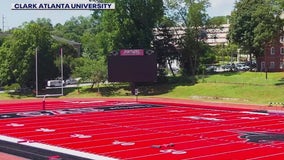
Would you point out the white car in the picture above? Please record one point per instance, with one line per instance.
(71, 81)
(55, 83)
(242, 67)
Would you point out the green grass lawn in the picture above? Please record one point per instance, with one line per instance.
(240, 87)
(236, 87)
(253, 78)
(239, 93)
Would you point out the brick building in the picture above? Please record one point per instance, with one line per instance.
(273, 57)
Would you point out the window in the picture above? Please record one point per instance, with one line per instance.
(272, 51)
(262, 66)
(271, 65)
(282, 50)
(281, 65)
(281, 39)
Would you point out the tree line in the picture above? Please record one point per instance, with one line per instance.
(253, 23)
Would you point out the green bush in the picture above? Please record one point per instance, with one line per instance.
(14, 86)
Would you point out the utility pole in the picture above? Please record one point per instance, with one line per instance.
(3, 22)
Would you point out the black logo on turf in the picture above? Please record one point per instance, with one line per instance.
(262, 137)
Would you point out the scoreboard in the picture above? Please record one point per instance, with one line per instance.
(133, 65)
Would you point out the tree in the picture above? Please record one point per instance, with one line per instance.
(18, 55)
(74, 28)
(193, 45)
(43, 22)
(229, 51)
(69, 54)
(88, 69)
(129, 25)
(217, 21)
(281, 3)
(253, 24)
(90, 45)
(165, 46)
(191, 15)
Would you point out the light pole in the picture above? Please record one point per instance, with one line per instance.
(265, 66)
(61, 62)
(36, 73)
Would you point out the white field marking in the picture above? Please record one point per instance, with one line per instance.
(80, 136)
(83, 102)
(176, 111)
(128, 144)
(56, 149)
(211, 114)
(87, 102)
(15, 125)
(45, 130)
(249, 118)
(173, 151)
(259, 113)
(166, 150)
(123, 143)
(203, 118)
(179, 152)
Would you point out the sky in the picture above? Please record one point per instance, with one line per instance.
(14, 18)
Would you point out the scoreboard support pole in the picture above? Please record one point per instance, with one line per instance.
(136, 94)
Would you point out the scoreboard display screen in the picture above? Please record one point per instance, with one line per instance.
(132, 66)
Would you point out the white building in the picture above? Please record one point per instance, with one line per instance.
(215, 36)
(218, 35)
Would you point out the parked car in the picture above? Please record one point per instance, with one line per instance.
(242, 67)
(211, 69)
(71, 81)
(55, 83)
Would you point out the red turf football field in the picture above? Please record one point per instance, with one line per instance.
(172, 131)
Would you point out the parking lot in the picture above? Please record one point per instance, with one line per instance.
(230, 67)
